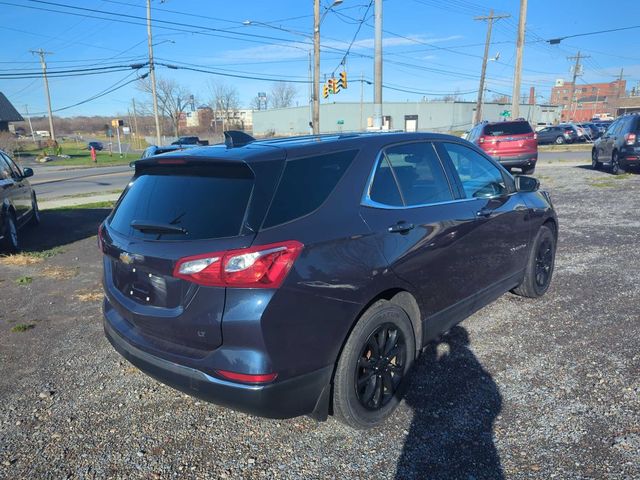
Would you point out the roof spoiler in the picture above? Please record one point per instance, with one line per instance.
(237, 138)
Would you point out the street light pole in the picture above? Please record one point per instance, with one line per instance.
(377, 67)
(315, 121)
(152, 73)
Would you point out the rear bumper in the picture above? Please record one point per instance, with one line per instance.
(301, 395)
(524, 160)
(630, 154)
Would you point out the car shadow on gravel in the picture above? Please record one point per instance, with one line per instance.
(455, 403)
(62, 226)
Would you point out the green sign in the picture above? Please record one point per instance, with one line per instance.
(506, 113)
(340, 122)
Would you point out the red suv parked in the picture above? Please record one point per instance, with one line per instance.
(513, 144)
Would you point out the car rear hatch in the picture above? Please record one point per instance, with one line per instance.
(178, 206)
(509, 139)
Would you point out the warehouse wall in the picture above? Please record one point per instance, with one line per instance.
(432, 116)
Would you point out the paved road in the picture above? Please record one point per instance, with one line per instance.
(545, 157)
(56, 182)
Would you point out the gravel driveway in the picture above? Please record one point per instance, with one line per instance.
(544, 388)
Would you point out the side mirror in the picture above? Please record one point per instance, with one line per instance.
(27, 172)
(526, 184)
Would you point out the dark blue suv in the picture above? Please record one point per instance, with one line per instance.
(305, 275)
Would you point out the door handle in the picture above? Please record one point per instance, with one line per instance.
(484, 212)
(401, 227)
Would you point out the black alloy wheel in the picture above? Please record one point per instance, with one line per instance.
(616, 169)
(10, 242)
(372, 370)
(544, 263)
(380, 367)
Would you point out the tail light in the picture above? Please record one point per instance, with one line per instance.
(265, 266)
(630, 138)
(247, 378)
(535, 136)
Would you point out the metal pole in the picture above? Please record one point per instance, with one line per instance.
(119, 144)
(310, 95)
(42, 53)
(135, 119)
(377, 68)
(152, 74)
(316, 67)
(33, 135)
(361, 99)
(517, 76)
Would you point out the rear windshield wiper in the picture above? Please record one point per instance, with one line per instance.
(155, 227)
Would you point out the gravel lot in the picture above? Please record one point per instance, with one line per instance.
(544, 388)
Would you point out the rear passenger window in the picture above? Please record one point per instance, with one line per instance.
(479, 177)
(305, 185)
(409, 175)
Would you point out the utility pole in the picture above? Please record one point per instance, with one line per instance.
(490, 19)
(135, 120)
(361, 99)
(315, 121)
(620, 82)
(43, 62)
(517, 75)
(377, 67)
(26, 111)
(152, 73)
(311, 104)
(576, 70)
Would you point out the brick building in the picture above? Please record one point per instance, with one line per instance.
(589, 99)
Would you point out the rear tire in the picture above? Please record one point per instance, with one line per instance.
(559, 140)
(10, 243)
(372, 369)
(596, 164)
(539, 269)
(616, 169)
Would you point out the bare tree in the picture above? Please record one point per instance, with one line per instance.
(225, 102)
(258, 104)
(283, 94)
(173, 99)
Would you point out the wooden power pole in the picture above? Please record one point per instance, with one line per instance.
(41, 53)
(517, 74)
(490, 19)
(576, 72)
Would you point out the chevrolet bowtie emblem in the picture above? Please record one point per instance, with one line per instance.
(126, 258)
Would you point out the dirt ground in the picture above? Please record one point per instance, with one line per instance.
(546, 388)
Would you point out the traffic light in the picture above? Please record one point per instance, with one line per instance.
(325, 91)
(342, 82)
(333, 85)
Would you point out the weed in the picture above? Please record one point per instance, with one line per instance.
(24, 280)
(22, 327)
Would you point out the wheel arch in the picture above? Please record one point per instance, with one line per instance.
(553, 225)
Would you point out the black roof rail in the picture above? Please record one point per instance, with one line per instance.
(237, 138)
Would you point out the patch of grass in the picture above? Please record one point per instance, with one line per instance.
(103, 204)
(24, 280)
(89, 296)
(59, 273)
(22, 327)
(30, 258)
(605, 184)
(91, 194)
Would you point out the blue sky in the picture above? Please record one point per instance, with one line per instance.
(430, 46)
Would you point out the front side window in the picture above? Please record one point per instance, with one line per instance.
(5, 171)
(410, 174)
(479, 177)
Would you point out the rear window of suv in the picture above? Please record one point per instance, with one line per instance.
(507, 128)
(208, 202)
(305, 185)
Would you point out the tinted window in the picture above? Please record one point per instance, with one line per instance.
(13, 168)
(419, 174)
(479, 177)
(613, 128)
(5, 171)
(384, 188)
(305, 185)
(507, 128)
(208, 202)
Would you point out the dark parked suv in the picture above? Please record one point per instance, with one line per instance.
(619, 146)
(305, 275)
(18, 204)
